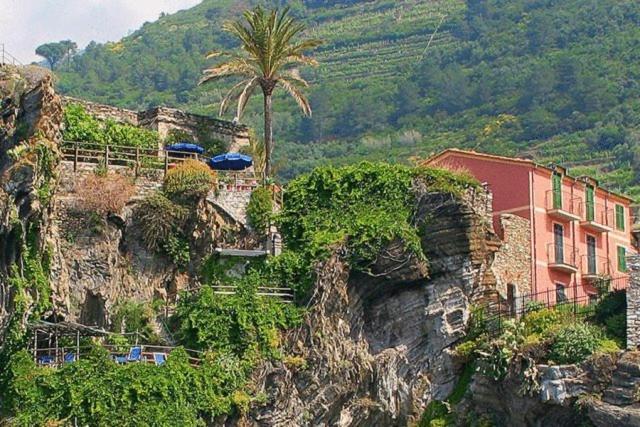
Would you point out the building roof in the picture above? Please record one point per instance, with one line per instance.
(512, 160)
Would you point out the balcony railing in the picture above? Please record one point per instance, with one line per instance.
(594, 266)
(597, 217)
(564, 205)
(562, 257)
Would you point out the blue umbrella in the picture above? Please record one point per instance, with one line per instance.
(230, 162)
(185, 147)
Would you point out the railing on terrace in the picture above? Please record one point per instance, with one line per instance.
(598, 213)
(6, 58)
(562, 256)
(58, 356)
(140, 159)
(563, 204)
(576, 299)
(595, 266)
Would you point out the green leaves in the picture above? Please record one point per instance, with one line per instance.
(80, 126)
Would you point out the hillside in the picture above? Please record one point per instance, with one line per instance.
(557, 81)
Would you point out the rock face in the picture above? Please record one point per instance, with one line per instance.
(614, 378)
(30, 117)
(378, 346)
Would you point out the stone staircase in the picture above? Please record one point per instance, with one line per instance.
(625, 381)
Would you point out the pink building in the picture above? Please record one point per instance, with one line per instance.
(577, 231)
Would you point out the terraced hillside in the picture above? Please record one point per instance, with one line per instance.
(554, 80)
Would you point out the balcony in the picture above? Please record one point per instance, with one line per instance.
(598, 218)
(594, 267)
(562, 258)
(563, 206)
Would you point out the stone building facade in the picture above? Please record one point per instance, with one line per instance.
(633, 303)
(512, 265)
(163, 120)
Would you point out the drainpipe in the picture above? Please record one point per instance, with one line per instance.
(575, 247)
(532, 214)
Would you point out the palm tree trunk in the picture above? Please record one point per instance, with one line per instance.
(268, 135)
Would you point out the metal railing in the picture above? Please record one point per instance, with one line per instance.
(6, 58)
(562, 254)
(575, 299)
(57, 356)
(563, 201)
(599, 213)
(594, 265)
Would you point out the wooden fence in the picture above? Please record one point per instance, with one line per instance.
(140, 159)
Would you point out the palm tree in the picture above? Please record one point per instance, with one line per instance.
(268, 59)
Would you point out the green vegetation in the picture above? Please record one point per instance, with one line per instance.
(95, 391)
(80, 126)
(364, 206)
(260, 209)
(552, 80)
(189, 181)
(269, 58)
(158, 218)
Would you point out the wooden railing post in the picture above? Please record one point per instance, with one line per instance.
(75, 156)
(106, 157)
(137, 167)
(166, 162)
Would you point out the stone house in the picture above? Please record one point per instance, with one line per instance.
(563, 234)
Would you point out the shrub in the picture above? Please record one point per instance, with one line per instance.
(611, 312)
(158, 218)
(104, 194)
(259, 209)
(608, 346)
(437, 414)
(132, 317)
(574, 343)
(178, 250)
(190, 180)
(541, 321)
(80, 126)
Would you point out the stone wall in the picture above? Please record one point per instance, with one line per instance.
(633, 303)
(234, 203)
(512, 263)
(164, 120)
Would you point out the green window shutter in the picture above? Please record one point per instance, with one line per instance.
(620, 217)
(557, 190)
(622, 258)
(591, 206)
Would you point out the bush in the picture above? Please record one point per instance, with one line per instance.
(574, 343)
(80, 126)
(611, 312)
(259, 209)
(190, 180)
(158, 218)
(104, 194)
(542, 320)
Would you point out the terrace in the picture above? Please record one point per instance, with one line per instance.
(57, 344)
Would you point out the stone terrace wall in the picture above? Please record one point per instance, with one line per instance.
(633, 303)
(164, 119)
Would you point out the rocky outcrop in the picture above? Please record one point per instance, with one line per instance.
(378, 346)
(602, 391)
(30, 118)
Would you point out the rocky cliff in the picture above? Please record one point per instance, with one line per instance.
(30, 118)
(376, 348)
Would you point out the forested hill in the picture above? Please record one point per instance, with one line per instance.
(557, 80)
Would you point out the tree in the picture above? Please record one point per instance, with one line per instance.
(57, 51)
(267, 60)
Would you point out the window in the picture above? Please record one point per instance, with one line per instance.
(620, 217)
(622, 259)
(557, 190)
(591, 206)
(561, 295)
(558, 243)
(592, 267)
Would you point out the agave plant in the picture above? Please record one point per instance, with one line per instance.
(268, 58)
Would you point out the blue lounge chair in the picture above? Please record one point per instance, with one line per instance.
(159, 358)
(69, 358)
(46, 360)
(135, 355)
